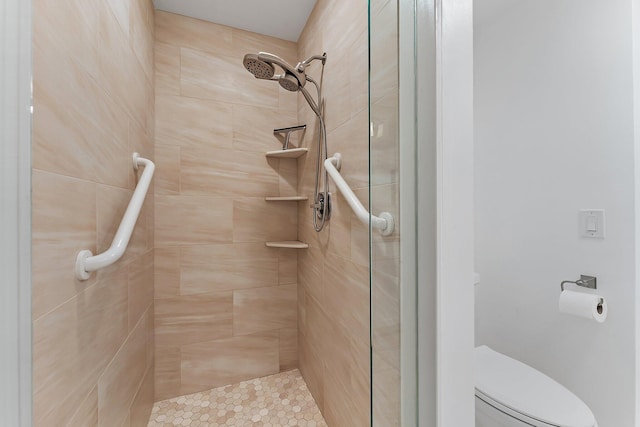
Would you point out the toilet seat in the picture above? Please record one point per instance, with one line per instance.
(525, 393)
(514, 414)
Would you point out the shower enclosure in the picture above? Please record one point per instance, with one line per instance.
(186, 308)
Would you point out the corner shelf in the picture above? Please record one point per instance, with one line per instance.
(292, 153)
(286, 199)
(289, 244)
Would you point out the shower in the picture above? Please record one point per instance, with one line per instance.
(262, 66)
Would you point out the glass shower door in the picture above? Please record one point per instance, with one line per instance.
(403, 181)
(384, 196)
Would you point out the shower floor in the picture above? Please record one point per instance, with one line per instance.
(277, 400)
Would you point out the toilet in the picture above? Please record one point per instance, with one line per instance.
(512, 394)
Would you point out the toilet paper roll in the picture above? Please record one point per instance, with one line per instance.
(582, 304)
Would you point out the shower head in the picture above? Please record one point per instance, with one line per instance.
(262, 67)
(289, 82)
(259, 68)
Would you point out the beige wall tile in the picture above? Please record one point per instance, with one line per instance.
(120, 72)
(346, 292)
(339, 406)
(334, 311)
(288, 352)
(255, 220)
(113, 164)
(358, 72)
(143, 402)
(192, 319)
(311, 272)
(167, 173)
(208, 268)
(121, 11)
(142, 34)
(264, 309)
(167, 69)
(351, 17)
(193, 219)
(119, 383)
(78, 338)
(350, 140)
(58, 236)
(230, 360)
(287, 101)
(222, 78)
(50, 19)
(180, 30)
(288, 267)
(249, 42)
(302, 313)
(87, 413)
(338, 107)
(218, 172)
(339, 228)
(188, 121)
(93, 100)
(288, 173)
(318, 326)
(141, 275)
(384, 76)
(311, 368)
(253, 127)
(65, 112)
(167, 272)
(167, 372)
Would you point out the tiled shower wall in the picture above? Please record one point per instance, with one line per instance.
(93, 106)
(225, 303)
(333, 274)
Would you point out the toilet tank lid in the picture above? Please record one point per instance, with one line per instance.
(528, 391)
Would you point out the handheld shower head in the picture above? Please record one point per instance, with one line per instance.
(262, 67)
(289, 82)
(259, 68)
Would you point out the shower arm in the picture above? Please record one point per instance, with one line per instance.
(304, 64)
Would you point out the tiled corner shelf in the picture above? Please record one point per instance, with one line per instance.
(286, 199)
(289, 244)
(292, 153)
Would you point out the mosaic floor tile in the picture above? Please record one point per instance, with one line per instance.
(275, 401)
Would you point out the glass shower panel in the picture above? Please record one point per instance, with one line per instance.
(384, 195)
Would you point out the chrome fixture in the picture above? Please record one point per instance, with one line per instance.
(294, 79)
(584, 281)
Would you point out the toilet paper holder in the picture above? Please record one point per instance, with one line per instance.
(584, 281)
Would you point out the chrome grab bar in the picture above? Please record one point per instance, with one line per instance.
(385, 222)
(86, 262)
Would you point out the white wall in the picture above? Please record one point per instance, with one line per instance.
(554, 134)
(454, 230)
